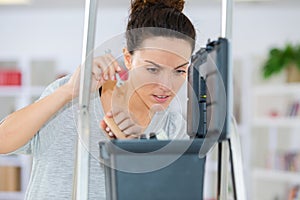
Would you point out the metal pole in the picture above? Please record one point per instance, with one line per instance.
(223, 160)
(81, 171)
(234, 140)
(232, 145)
(226, 26)
(226, 29)
(237, 166)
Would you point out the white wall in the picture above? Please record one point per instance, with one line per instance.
(57, 33)
(257, 28)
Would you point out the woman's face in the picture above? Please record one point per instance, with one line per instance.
(158, 69)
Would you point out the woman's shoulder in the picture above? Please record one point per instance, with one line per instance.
(54, 85)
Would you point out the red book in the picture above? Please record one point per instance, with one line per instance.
(10, 78)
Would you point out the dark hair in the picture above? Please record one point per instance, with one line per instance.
(150, 18)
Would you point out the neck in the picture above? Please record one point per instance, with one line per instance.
(137, 107)
(139, 110)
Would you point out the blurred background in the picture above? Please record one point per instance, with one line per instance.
(41, 40)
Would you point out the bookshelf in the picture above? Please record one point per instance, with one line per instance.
(277, 122)
(282, 89)
(14, 97)
(15, 91)
(283, 184)
(277, 175)
(21, 166)
(271, 125)
(11, 195)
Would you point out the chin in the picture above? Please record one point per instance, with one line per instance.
(159, 106)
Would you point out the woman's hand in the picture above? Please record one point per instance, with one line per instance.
(104, 68)
(122, 126)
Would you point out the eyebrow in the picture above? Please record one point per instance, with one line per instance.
(157, 65)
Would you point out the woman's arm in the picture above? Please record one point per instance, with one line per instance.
(19, 127)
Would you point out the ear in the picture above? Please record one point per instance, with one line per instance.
(127, 58)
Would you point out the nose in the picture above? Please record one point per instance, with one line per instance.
(166, 81)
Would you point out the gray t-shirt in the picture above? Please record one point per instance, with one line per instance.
(54, 148)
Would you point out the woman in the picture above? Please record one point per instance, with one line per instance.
(157, 59)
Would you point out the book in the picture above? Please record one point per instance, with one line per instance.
(10, 180)
(293, 109)
(294, 193)
(10, 78)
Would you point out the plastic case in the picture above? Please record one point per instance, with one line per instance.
(153, 169)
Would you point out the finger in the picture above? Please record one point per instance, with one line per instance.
(111, 134)
(125, 124)
(111, 68)
(114, 128)
(120, 117)
(109, 114)
(102, 65)
(111, 65)
(115, 64)
(96, 70)
(116, 108)
(103, 125)
(133, 130)
(132, 137)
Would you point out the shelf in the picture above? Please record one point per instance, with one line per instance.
(11, 195)
(15, 97)
(276, 175)
(8, 91)
(277, 122)
(283, 89)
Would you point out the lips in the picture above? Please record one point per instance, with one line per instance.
(161, 98)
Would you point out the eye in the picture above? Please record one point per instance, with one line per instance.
(153, 70)
(180, 72)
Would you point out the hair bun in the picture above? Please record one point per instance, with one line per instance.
(137, 4)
